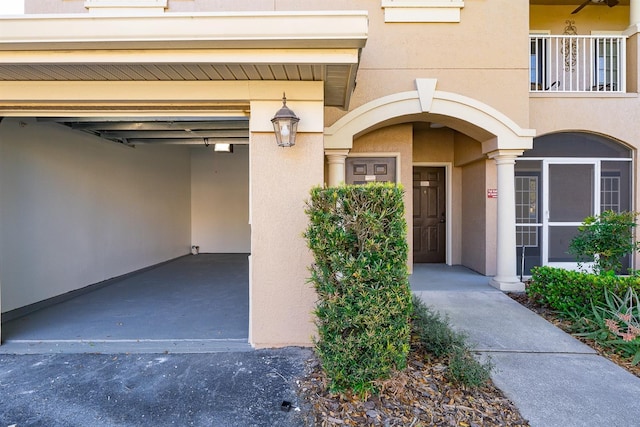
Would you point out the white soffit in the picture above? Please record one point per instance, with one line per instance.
(291, 46)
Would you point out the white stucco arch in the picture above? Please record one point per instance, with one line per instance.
(476, 119)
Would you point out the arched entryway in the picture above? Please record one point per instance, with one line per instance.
(495, 136)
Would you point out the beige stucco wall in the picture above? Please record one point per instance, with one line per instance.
(633, 55)
(281, 299)
(609, 115)
(220, 200)
(470, 57)
(433, 145)
(77, 210)
(474, 216)
(54, 6)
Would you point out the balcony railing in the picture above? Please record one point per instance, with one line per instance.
(577, 63)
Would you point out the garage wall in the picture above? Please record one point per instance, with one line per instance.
(75, 210)
(220, 200)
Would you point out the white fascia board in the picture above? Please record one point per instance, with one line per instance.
(348, 29)
(182, 56)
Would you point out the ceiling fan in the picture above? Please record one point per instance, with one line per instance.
(609, 3)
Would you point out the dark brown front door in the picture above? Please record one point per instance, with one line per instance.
(429, 215)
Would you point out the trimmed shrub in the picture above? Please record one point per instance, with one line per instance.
(358, 237)
(437, 337)
(572, 293)
(465, 369)
(434, 331)
(605, 239)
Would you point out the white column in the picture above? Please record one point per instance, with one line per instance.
(336, 160)
(506, 278)
(634, 12)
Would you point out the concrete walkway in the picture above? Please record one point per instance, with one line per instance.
(553, 379)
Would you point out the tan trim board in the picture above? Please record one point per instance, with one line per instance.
(157, 91)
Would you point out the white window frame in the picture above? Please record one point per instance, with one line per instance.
(546, 61)
(604, 191)
(598, 79)
(537, 225)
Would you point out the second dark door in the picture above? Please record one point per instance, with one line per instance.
(429, 215)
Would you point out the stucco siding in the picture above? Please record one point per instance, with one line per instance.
(474, 217)
(281, 298)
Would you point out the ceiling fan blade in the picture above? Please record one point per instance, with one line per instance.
(612, 3)
(579, 8)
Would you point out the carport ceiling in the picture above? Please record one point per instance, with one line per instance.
(161, 131)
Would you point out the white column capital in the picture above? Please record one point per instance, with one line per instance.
(336, 156)
(505, 156)
(336, 160)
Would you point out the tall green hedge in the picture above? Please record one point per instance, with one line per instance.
(573, 292)
(358, 237)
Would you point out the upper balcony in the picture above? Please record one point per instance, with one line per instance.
(582, 46)
(572, 63)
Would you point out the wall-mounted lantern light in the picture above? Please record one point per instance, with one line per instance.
(285, 125)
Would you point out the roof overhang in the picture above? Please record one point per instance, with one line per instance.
(265, 46)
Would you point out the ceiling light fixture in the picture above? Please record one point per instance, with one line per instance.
(223, 148)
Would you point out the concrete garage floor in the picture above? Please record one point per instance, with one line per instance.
(196, 303)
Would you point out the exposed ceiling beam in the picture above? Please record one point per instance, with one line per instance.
(173, 134)
(161, 131)
(187, 141)
(168, 125)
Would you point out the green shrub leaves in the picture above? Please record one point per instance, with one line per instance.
(437, 337)
(605, 239)
(572, 292)
(358, 238)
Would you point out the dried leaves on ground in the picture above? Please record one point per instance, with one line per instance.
(420, 395)
(552, 317)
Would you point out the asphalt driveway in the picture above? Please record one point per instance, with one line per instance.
(214, 389)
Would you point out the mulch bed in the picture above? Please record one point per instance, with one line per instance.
(418, 396)
(421, 395)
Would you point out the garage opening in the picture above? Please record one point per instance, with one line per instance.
(88, 201)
